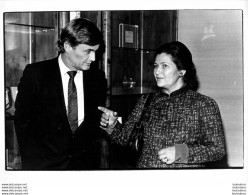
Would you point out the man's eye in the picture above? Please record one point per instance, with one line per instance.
(87, 51)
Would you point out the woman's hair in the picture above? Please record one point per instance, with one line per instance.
(79, 31)
(182, 57)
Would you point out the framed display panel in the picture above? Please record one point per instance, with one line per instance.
(128, 35)
(135, 35)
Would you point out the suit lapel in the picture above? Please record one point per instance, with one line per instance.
(55, 77)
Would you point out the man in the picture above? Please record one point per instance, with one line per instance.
(56, 117)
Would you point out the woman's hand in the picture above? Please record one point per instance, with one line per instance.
(108, 117)
(167, 155)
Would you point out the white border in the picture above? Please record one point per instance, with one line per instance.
(194, 182)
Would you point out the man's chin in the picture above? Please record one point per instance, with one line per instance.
(86, 67)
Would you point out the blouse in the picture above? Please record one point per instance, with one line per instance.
(185, 119)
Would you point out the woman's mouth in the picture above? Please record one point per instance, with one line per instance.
(159, 78)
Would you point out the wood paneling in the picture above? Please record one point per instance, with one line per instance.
(159, 28)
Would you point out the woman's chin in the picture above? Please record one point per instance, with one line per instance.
(160, 84)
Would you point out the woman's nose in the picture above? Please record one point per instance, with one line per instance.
(157, 70)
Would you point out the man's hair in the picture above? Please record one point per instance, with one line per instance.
(79, 31)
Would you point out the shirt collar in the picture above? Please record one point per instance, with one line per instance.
(63, 68)
(182, 90)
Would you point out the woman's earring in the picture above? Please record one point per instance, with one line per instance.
(180, 74)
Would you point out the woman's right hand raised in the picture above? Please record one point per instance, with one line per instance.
(108, 117)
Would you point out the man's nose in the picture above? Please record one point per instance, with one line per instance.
(92, 56)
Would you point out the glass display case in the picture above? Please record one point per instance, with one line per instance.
(132, 71)
(28, 37)
(135, 36)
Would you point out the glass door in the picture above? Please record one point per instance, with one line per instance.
(28, 37)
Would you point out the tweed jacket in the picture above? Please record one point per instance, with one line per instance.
(43, 132)
(183, 117)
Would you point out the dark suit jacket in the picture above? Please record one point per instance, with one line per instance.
(42, 128)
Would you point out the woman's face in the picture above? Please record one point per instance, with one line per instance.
(168, 77)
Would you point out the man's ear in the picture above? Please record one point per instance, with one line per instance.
(67, 47)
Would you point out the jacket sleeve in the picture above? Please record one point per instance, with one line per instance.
(23, 106)
(211, 145)
(121, 133)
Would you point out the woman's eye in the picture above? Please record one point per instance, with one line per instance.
(163, 66)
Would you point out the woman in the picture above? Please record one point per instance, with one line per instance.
(185, 128)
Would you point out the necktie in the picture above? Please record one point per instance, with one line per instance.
(72, 102)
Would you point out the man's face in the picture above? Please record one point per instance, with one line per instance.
(80, 57)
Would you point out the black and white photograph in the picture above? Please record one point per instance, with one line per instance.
(123, 100)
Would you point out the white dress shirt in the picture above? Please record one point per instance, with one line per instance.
(78, 79)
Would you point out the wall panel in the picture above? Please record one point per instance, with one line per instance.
(215, 40)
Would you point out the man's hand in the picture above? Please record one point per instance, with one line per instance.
(108, 117)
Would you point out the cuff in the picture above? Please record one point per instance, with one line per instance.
(182, 153)
(111, 128)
